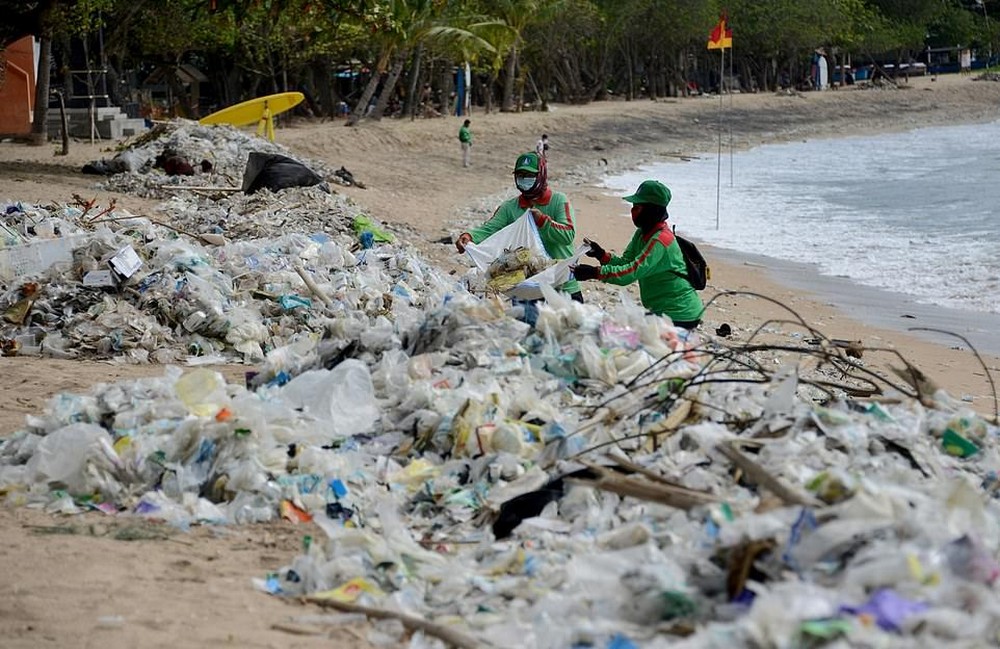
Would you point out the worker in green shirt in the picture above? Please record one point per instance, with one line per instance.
(465, 138)
(551, 210)
(653, 258)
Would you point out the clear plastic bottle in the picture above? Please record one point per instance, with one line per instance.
(250, 508)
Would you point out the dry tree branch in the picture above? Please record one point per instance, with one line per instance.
(762, 477)
(659, 490)
(982, 363)
(736, 364)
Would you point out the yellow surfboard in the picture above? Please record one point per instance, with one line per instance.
(259, 111)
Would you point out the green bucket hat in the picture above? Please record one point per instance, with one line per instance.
(650, 191)
(527, 162)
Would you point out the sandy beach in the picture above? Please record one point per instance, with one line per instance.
(75, 582)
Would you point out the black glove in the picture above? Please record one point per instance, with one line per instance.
(596, 251)
(583, 272)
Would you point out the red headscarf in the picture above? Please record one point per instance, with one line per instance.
(541, 182)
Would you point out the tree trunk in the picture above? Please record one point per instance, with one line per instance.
(680, 73)
(64, 121)
(183, 98)
(634, 82)
(488, 93)
(630, 94)
(388, 87)
(366, 96)
(508, 82)
(323, 74)
(446, 86)
(412, 100)
(39, 126)
(538, 98)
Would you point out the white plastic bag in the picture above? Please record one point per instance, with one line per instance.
(64, 456)
(555, 275)
(523, 233)
(344, 397)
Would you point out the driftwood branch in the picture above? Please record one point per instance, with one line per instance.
(760, 475)
(451, 636)
(662, 491)
(311, 285)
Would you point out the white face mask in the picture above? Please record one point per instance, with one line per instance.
(525, 183)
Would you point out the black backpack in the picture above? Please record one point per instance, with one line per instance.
(698, 272)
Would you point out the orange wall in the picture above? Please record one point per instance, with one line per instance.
(17, 94)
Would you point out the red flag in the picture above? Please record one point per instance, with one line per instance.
(721, 36)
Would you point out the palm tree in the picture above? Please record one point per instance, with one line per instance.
(516, 15)
(410, 24)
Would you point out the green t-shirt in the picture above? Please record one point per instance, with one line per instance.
(557, 231)
(655, 261)
(465, 135)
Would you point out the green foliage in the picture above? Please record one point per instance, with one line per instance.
(956, 26)
(568, 50)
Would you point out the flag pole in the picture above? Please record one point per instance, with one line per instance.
(731, 172)
(718, 174)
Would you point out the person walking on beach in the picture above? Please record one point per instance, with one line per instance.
(653, 258)
(550, 209)
(465, 138)
(542, 146)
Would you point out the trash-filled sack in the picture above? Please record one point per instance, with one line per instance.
(514, 261)
(276, 172)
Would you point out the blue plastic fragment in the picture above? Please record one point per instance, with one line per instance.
(620, 641)
(338, 487)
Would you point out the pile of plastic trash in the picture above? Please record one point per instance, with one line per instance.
(584, 482)
(599, 479)
(210, 277)
(217, 153)
(204, 281)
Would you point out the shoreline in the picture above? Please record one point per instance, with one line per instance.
(876, 306)
(836, 307)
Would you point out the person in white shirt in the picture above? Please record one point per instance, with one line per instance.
(542, 146)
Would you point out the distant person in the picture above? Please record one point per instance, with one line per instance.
(653, 258)
(552, 213)
(542, 146)
(465, 138)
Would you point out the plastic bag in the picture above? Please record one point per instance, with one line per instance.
(276, 172)
(63, 456)
(523, 233)
(344, 397)
(555, 275)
